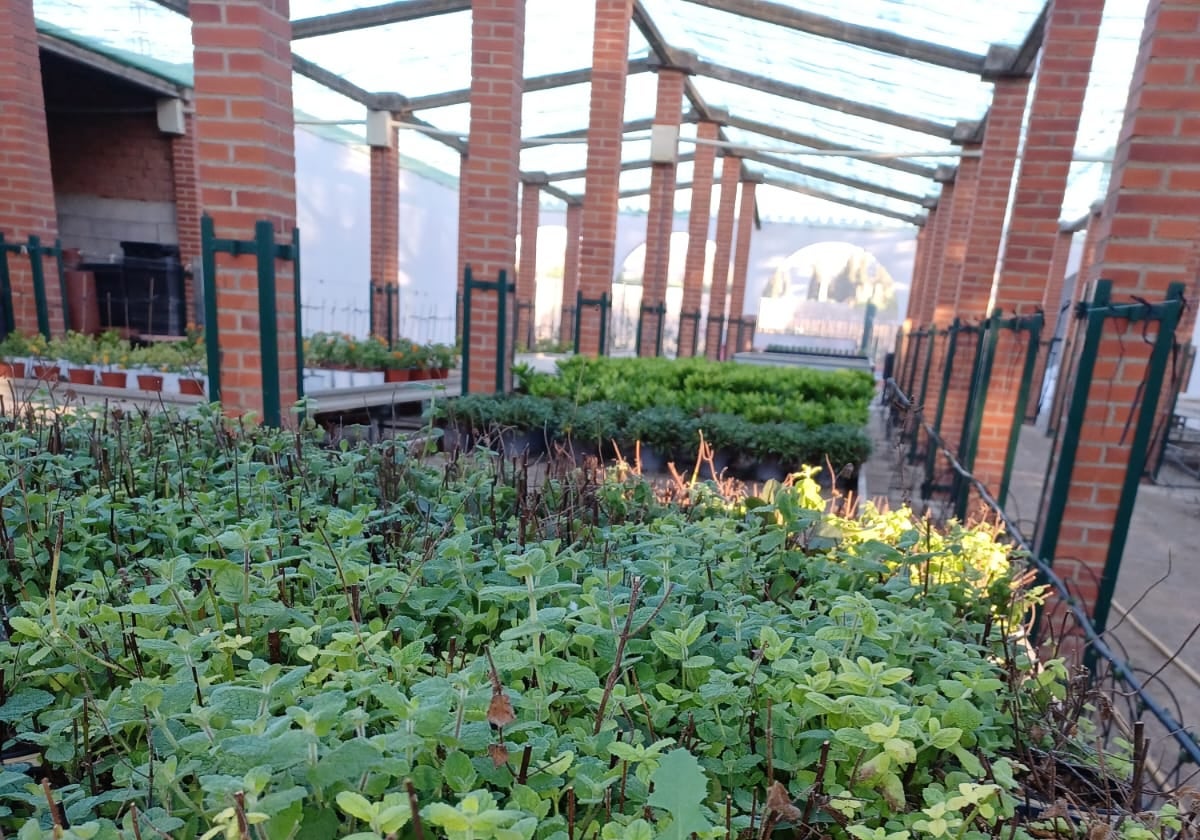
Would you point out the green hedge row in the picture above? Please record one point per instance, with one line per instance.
(669, 430)
(755, 393)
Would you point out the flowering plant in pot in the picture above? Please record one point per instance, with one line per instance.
(14, 350)
(442, 357)
(419, 361)
(193, 364)
(398, 364)
(112, 354)
(78, 351)
(153, 361)
(43, 369)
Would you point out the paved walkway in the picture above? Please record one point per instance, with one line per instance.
(1164, 542)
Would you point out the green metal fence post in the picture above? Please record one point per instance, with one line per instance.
(578, 317)
(1031, 356)
(981, 378)
(208, 266)
(296, 302)
(1147, 416)
(868, 327)
(661, 313)
(502, 330)
(604, 312)
(39, 286)
(62, 284)
(390, 296)
(8, 321)
(920, 401)
(468, 286)
(932, 452)
(268, 322)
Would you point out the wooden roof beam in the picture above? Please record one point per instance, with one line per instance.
(826, 175)
(364, 18)
(626, 166)
(783, 183)
(879, 40)
(533, 83)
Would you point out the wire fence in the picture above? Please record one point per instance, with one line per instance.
(1129, 706)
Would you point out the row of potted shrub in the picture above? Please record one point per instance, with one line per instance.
(520, 423)
(107, 360)
(401, 361)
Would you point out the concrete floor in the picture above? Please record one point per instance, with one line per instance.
(1164, 541)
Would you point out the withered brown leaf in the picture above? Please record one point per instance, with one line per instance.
(780, 803)
(498, 753)
(500, 710)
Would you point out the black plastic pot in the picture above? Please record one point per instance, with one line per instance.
(770, 469)
(653, 460)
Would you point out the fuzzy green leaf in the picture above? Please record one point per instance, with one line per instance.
(679, 789)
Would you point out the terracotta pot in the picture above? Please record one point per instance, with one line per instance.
(149, 381)
(397, 375)
(421, 374)
(194, 387)
(46, 373)
(114, 378)
(441, 373)
(81, 376)
(12, 370)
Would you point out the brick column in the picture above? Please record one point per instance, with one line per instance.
(731, 168)
(917, 280)
(566, 326)
(988, 206)
(741, 267)
(385, 233)
(462, 250)
(935, 254)
(1082, 289)
(27, 200)
(597, 254)
(698, 220)
(187, 209)
(1065, 65)
(490, 177)
(957, 239)
(531, 207)
(660, 219)
(1148, 237)
(247, 173)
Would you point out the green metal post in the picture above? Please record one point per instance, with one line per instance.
(931, 453)
(661, 311)
(637, 333)
(6, 296)
(604, 309)
(868, 328)
(502, 330)
(981, 378)
(912, 453)
(39, 286)
(468, 286)
(915, 341)
(1069, 435)
(62, 284)
(1147, 415)
(578, 317)
(208, 265)
(372, 291)
(390, 296)
(296, 302)
(1014, 435)
(268, 322)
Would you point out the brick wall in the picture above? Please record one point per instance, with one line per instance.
(488, 192)
(531, 211)
(27, 194)
(597, 254)
(698, 223)
(566, 327)
(731, 168)
(385, 235)
(741, 268)
(246, 169)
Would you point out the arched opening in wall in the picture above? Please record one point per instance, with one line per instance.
(627, 295)
(818, 298)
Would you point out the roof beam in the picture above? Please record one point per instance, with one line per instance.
(581, 133)
(103, 63)
(1026, 55)
(783, 183)
(879, 40)
(667, 53)
(807, 140)
(626, 166)
(532, 84)
(822, 100)
(826, 175)
(365, 18)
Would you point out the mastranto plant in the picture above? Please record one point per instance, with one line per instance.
(216, 631)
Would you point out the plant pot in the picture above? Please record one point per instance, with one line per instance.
(12, 370)
(397, 375)
(81, 376)
(341, 378)
(421, 374)
(441, 373)
(114, 378)
(46, 373)
(150, 381)
(366, 378)
(193, 387)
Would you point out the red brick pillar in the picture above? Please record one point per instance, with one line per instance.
(247, 173)
(385, 234)
(1081, 292)
(1148, 237)
(566, 326)
(597, 254)
(698, 219)
(741, 338)
(187, 209)
(660, 219)
(1033, 230)
(916, 285)
(531, 209)
(988, 206)
(935, 253)
(27, 199)
(490, 178)
(731, 168)
(462, 250)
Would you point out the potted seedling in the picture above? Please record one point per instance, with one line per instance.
(442, 358)
(43, 369)
(194, 365)
(14, 350)
(78, 351)
(145, 362)
(112, 354)
(398, 364)
(419, 360)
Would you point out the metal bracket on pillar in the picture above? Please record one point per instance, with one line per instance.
(946, 173)
(379, 129)
(967, 131)
(1001, 63)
